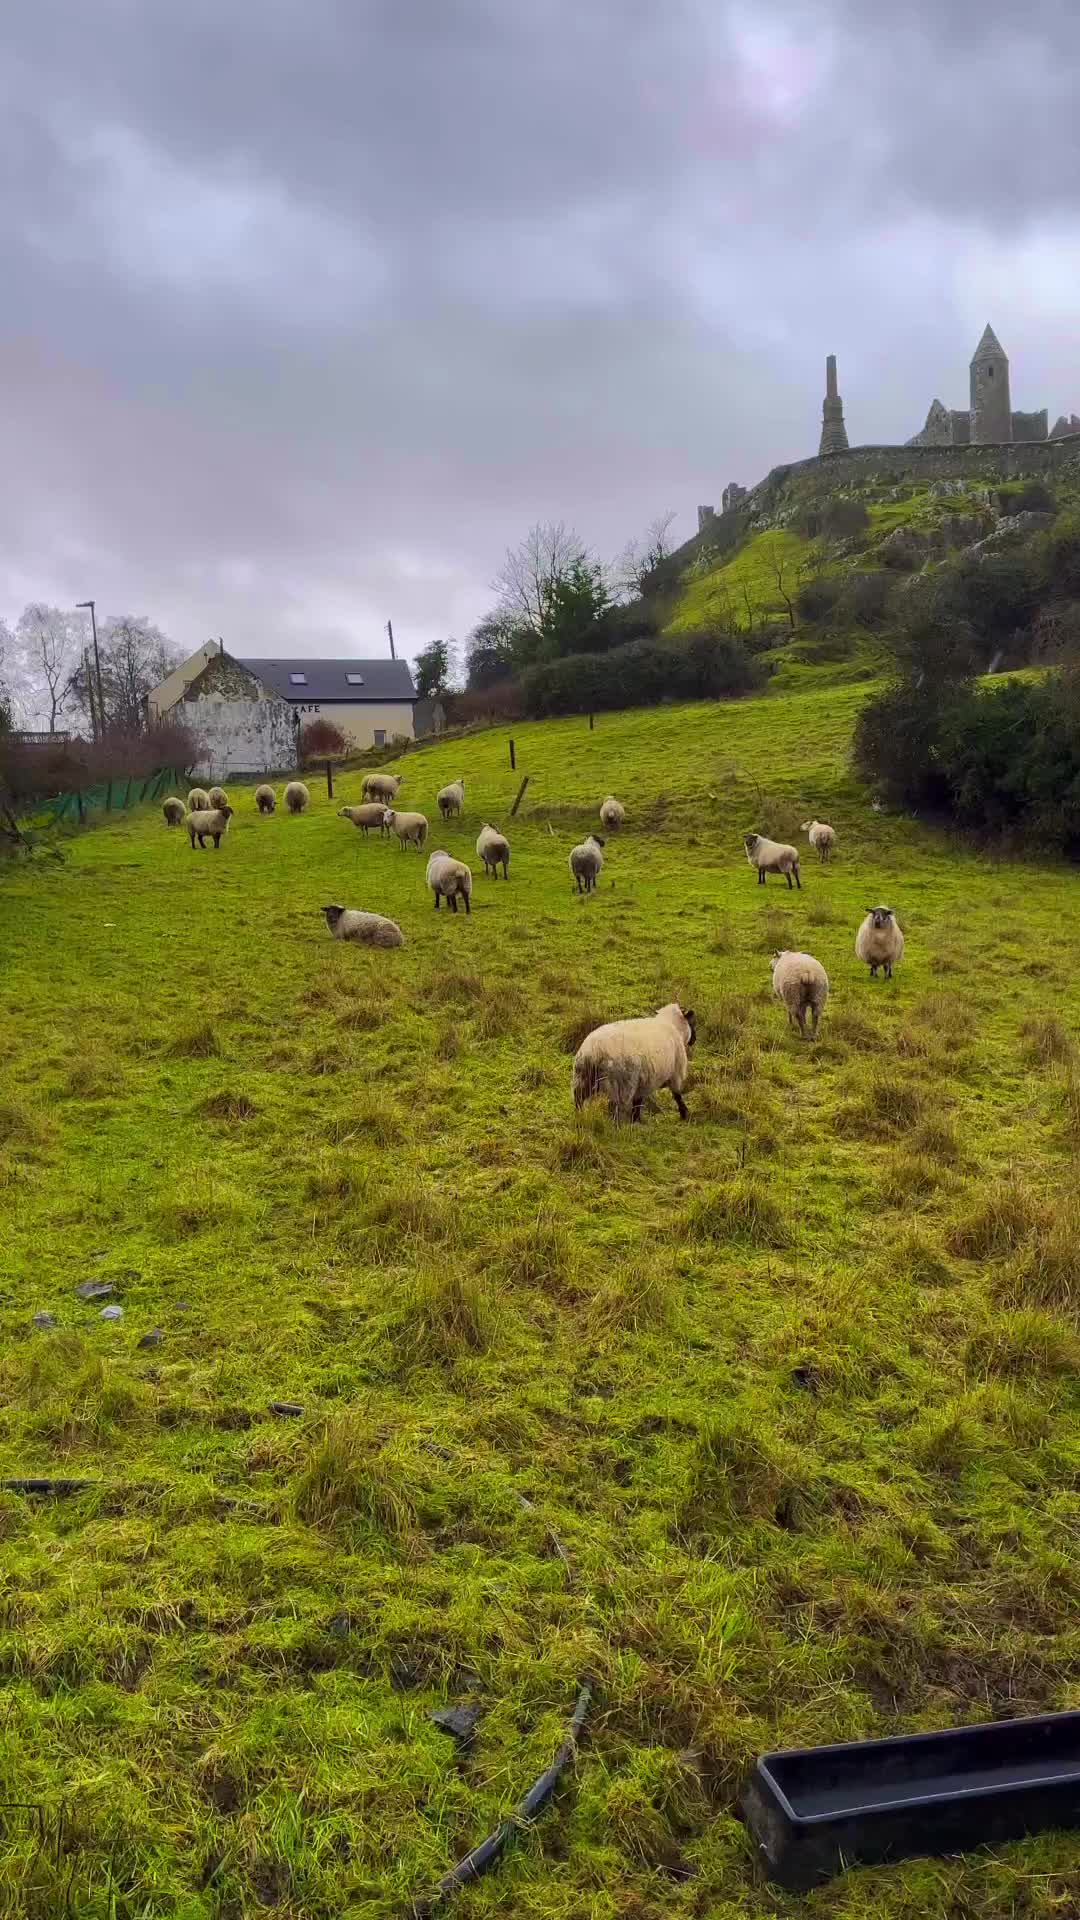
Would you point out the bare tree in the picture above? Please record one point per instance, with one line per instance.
(46, 650)
(779, 571)
(531, 573)
(640, 561)
(135, 658)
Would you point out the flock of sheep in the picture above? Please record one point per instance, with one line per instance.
(625, 1061)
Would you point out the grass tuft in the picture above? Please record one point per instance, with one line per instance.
(741, 1209)
(196, 1043)
(441, 1314)
(1047, 1042)
(349, 1479)
(999, 1221)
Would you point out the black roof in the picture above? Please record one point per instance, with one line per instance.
(325, 680)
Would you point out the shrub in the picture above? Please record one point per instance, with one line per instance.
(695, 666)
(321, 740)
(817, 599)
(866, 599)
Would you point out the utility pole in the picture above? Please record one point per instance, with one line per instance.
(90, 691)
(390, 631)
(97, 664)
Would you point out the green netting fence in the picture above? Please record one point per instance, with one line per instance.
(112, 796)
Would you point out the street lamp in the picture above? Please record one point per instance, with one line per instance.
(82, 604)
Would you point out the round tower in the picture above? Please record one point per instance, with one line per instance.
(991, 407)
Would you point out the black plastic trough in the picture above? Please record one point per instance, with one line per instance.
(815, 1810)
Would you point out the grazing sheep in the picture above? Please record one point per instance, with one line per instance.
(411, 828)
(367, 817)
(802, 983)
(367, 929)
(880, 941)
(448, 878)
(821, 836)
(612, 813)
(208, 823)
(381, 786)
(771, 856)
(452, 798)
(297, 797)
(494, 850)
(174, 811)
(218, 797)
(265, 799)
(628, 1060)
(198, 800)
(586, 860)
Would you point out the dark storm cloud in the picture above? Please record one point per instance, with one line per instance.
(311, 308)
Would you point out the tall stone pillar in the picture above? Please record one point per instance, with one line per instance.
(991, 407)
(833, 431)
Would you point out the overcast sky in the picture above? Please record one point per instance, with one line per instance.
(310, 307)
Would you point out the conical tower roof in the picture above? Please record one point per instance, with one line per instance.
(988, 344)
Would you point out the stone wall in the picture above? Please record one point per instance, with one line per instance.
(242, 725)
(895, 466)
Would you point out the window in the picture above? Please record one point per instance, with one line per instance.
(380, 736)
(989, 373)
(298, 679)
(355, 679)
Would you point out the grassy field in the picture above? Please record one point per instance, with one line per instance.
(768, 1422)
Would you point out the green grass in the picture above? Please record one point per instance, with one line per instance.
(768, 1421)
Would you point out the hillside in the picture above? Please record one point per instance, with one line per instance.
(767, 1422)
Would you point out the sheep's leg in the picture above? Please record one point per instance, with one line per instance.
(635, 1109)
(873, 971)
(468, 908)
(684, 1111)
(437, 900)
(800, 1021)
(888, 969)
(798, 882)
(761, 876)
(452, 897)
(217, 843)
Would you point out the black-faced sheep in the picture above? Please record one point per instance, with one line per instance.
(821, 836)
(265, 799)
(449, 879)
(198, 800)
(612, 814)
(586, 860)
(772, 856)
(452, 798)
(381, 786)
(367, 929)
(297, 797)
(208, 823)
(411, 828)
(174, 811)
(627, 1060)
(218, 797)
(879, 941)
(372, 815)
(802, 983)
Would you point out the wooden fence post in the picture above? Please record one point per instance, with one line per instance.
(591, 719)
(108, 796)
(79, 804)
(329, 780)
(513, 758)
(127, 790)
(520, 793)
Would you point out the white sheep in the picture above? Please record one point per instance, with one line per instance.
(821, 836)
(586, 860)
(612, 813)
(218, 797)
(297, 797)
(381, 786)
(208, 823)
(367, 817)
(174, 811)
(628, 1060)
(411, 828)
(772, 856)
(368, 929)
(493, 848)
(880, 941)
(452, 798)
(198, 800)
(448, 879)
(265, 799)
(802, 983)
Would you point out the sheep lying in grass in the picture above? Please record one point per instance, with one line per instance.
(297, 797)
(449, 879)
(802, 983)
(772, 856)
(174, 811)
(821, 836)
(373, 815)
(879, 941)
(367, 929)
(411, 828)
(493, 849)
(198, 800)
(586, 860)
(627, 1060)
(208, 823)
(381, 786)
(265, 799)
(218, 797)
(612, 813)
(452, 798)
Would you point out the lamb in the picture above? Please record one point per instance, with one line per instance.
(612, 813)
(772, 856)
(494, 850)
(448, 878)
(297, 797)
(367, 929)
(208, 823)
(381, 786)
(218, 797)
(880, 941)
(174, 811)
(367, 817)
(198, 800)
(628, 1060)
(265, 799)
(802, 983)
(821, 836)
(452, 798)
(586, 860)
(411, 828)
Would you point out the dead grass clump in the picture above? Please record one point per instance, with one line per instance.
(361, 1019)
(911, 1177)
(1000, 1222)
(325, 1060)
(741, 1209)
(21, 1130)
(196, 1043)
(91, 1079)
(1071, 1102)
(73, 1397)
(1046, 1272)
(228, 1106)
(918, 1258)
(740, 1470)
(637, 1295)
(448, 1044)
(349, 1479)
(502, 1012)
(534, 1076)
(371, 1121)
(1047, 1042)
(331, 1181)
(581, 1147)
(888, 1106)
(938, 1139)
(442, 1314)
(726, 1025)
(947, 1015)
(578, 1026)
(454, 989)
(847, 1027)
(207, 1208)
(1024, 1344)
(777, 931)
(542, 1254)
(723, 940)
(409, 1214)
(944, 1441)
